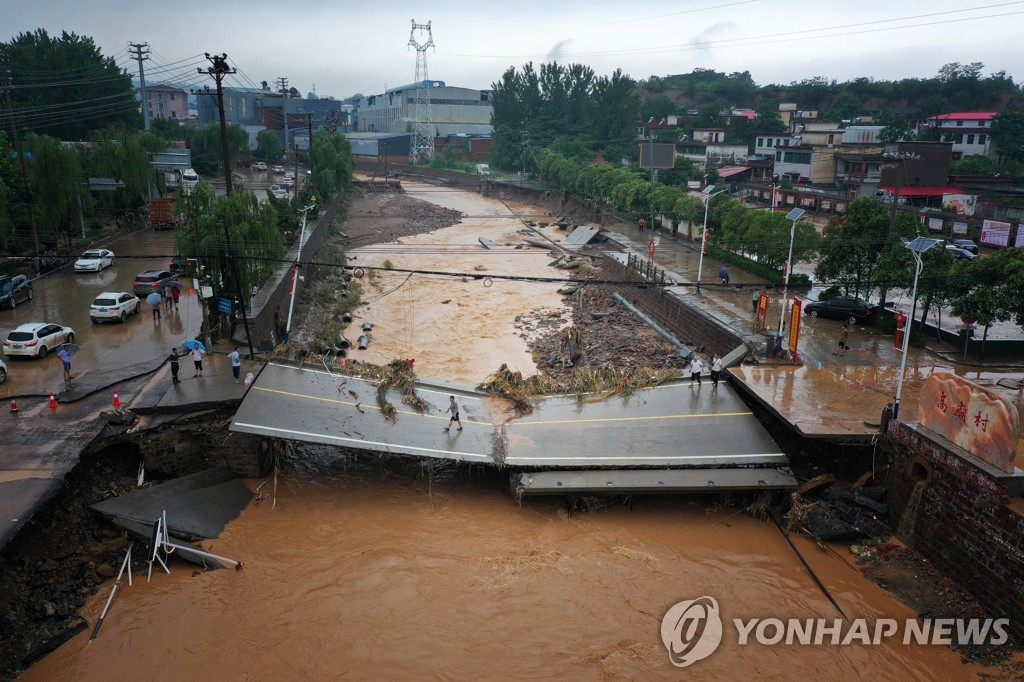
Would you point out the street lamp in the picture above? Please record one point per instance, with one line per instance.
(707, 194)
(793, 215)
(916, 248)
(295, 272)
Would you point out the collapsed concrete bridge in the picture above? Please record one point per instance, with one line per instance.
(670, 438)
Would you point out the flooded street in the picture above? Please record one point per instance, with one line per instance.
(363, 571)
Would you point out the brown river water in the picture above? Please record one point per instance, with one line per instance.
(379, 571)
(371, 571)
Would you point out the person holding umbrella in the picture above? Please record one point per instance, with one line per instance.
(198, 351)
(155, 299)
(175, 292)
(65, 357)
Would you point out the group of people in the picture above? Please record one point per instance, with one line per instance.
(167, 297)
(697, 367)
(198, 352)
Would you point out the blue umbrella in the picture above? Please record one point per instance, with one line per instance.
(192, 344)
(71, 348)
(154, 298)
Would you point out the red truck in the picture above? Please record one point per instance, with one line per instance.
(161, 214)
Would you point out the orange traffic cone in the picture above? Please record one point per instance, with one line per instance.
(53, 400)
(14, 406)
(117, 400)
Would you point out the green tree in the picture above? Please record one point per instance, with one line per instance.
(257, 245)
(858, 253)
(657, 107)
(713, 114)
(56, 180)
(331, 155)
(268, 146)
(1008, 132)
(896, 128)
(980, 289)
(64, 87)
(124, 155)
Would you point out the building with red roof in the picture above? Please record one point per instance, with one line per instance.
(970, 132)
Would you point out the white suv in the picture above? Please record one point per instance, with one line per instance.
(114, 305)
(37, 339)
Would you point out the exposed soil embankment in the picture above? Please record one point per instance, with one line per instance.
(59, 558)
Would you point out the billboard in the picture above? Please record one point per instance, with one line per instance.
(995, 233)
(657, 155)
(961, 204)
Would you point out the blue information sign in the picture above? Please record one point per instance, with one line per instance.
(224, 305)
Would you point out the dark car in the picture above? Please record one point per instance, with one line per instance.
(843, 308)
(151, 280)
(966, 245)
(963, 254)
(177, 265)
(14, 290)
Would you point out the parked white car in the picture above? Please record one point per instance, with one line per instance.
(287, 182)
(114, 305)
(3, 371)
(94, 260)
(36, 339)
(278, 169)
(260, 166)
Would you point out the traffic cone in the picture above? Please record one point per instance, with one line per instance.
(117, 400)
(14, 406)
(53, 400)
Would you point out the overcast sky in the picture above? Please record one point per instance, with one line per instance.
(340, 47)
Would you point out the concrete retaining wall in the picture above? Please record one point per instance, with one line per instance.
(189, 445)
(962, 522)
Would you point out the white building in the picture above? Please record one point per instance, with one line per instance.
(970, 132)
(453, 111)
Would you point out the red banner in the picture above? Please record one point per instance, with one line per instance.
(794, 325)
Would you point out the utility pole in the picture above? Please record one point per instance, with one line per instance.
(309, 150)
(218, 71)
(207, 337)
(422, 123)
(24, 175)
(282, 83)
(136, 52)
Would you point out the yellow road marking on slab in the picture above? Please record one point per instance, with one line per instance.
(632, 419)
(350, 403)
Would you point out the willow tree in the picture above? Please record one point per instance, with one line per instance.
(239, 242)
(124, 155)
(56, 179)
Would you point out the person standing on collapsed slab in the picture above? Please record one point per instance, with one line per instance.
(696, 367)
(453, 407)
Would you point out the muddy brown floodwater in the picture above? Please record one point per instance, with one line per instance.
(373, 570)
(365, 571)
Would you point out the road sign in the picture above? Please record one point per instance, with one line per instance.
(224, 305)
(967, 320)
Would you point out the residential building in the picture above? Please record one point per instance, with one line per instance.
(712, 154)
(165, 101)
(970, 132)
(453, 110)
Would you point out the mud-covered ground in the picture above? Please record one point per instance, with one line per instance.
(61, 556)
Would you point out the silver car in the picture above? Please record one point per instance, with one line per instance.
(94, 260)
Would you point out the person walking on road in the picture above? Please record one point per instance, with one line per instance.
(236, 363)
(154, 299)
(65, 357)
(641, 224)
(168, 298)
(175, 294)
(724, 274)
(841, 348)
(716, 369)
(755, 299)
(173, 359)
(453, 407)
(696, 367)
(197, 359)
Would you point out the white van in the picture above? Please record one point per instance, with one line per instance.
(483, 169)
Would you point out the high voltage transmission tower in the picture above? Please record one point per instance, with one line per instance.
(422, 148)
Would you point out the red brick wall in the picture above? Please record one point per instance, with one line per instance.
(964, 525)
